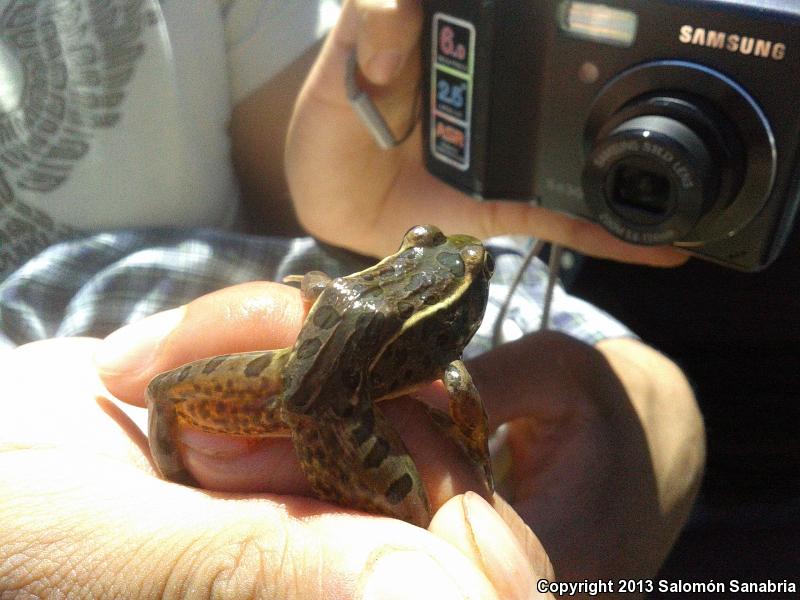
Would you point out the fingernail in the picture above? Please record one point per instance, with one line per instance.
(381, 68)
(404, 574)
(502, 556)
(133, 347)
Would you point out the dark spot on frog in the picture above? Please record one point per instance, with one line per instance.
(350, 380)
(405, 309)
(184, 373)
(377, 454)
(309, 348)
(429, 299)
(256, 366)
(399, 489)
(385, 272)
(374, 292)
(362, 321)
(212, 364)
(407, 256)
(452, 262)
(364, 430)
(418, 280)
(326, 317)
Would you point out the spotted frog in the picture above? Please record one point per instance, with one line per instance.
(372, 335)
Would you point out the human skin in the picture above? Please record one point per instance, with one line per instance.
(84, 514)
(350, 193)
(600, 449)
(600, 453)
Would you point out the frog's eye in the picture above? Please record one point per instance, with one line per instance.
(473, 254)
(423, 235)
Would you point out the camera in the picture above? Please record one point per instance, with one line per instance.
(665, 122)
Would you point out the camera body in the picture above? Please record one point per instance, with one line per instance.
(665, 121)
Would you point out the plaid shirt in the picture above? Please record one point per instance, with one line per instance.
(93, 285)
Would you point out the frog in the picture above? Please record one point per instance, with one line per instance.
(379, 333)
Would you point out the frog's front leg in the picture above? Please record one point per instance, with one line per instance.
(235, 394)
(312, 284)
(467, 423)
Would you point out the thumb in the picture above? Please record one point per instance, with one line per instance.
(257, 315)
(498, 542)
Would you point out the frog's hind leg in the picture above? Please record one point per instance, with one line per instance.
(235, 394)
(360, 462)
(467, 423)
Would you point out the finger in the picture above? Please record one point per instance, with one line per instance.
(506, 551)
(546, 375)
(436, 202)
(191, 542)
(543, 374)
(250, 316)
(388, 35)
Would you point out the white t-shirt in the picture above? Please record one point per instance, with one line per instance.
(114, 114)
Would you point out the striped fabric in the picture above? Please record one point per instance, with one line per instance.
(92, 285)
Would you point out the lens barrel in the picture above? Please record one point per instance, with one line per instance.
(653, 175)
(666, 164)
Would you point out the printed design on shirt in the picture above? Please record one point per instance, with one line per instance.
(24, 230)
(64, 66)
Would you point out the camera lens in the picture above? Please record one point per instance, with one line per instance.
(650, 179)
(676, 153)
(640, 189)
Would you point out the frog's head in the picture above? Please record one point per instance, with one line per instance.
(446, 281)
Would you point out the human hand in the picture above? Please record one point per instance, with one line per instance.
(83, 512)
(601, 449)
(350, 193)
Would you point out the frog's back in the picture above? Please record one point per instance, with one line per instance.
(343, 332)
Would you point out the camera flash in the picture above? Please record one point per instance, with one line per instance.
(598, 22)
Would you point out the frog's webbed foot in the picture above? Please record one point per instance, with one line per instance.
(467, 423)
(360, 462)
(235, 394)
(311, 284)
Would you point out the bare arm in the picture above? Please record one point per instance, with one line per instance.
(258, 138)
